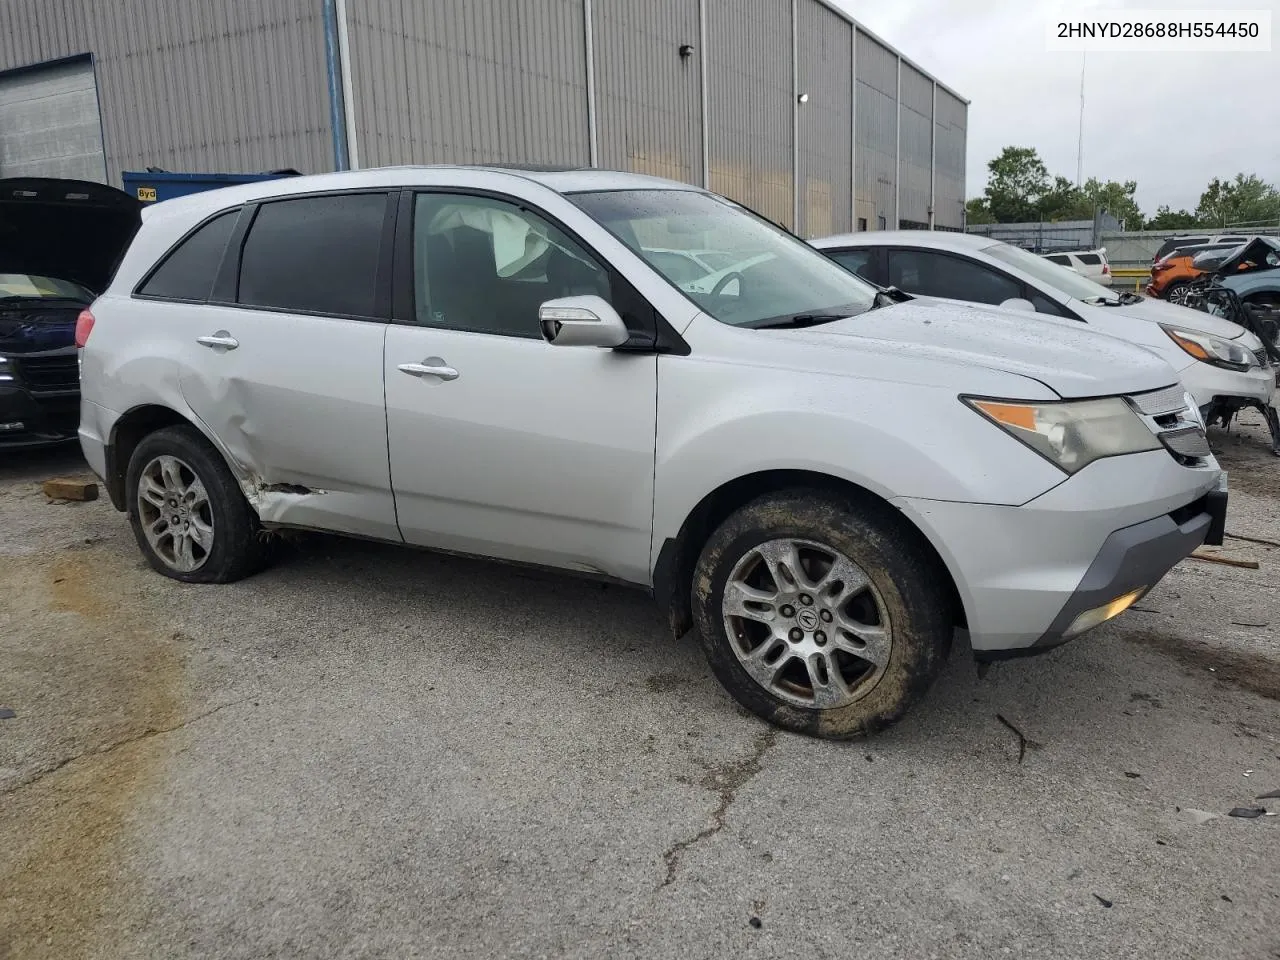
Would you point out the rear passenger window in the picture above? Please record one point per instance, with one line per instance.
(1090, 259)
(188, 271)
(1060, 260)
(940, 275)
(315, 255)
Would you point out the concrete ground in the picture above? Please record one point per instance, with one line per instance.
(373, 752)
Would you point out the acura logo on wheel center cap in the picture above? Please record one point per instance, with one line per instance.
(807, 619)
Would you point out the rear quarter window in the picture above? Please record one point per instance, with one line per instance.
(1091, 259)
(188, 270)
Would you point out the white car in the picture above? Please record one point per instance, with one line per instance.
(1222, 365)
(1091, 264)
(828, 482)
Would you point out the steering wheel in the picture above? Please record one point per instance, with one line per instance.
(724, 282)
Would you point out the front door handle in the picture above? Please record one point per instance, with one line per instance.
(220, 339)
(431, 367)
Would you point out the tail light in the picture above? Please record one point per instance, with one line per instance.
(84, 327)
(1106, 269)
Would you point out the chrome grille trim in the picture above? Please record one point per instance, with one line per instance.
(1168, 400)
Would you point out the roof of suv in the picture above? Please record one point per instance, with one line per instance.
(559, 179)
(940, 239)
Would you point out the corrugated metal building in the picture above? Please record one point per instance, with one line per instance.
(788, 106)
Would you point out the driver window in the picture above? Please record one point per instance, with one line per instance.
(485, 266)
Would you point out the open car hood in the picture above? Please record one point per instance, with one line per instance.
(1260, 253)
(67, 229)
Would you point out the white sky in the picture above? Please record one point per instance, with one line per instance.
(1170, 121)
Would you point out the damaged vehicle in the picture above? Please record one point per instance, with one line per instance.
(59, 242)
(1223, 365)
(828, 481)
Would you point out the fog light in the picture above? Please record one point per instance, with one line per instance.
(1091, 618)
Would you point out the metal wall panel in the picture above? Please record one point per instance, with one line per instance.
(950, 129)
(49, 123)
(917, 129)
(485, 81)
(751, 104)
(221, 85)
(877, 121)
(825, 43)
(648, 103)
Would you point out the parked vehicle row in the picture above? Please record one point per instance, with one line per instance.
(827, 478)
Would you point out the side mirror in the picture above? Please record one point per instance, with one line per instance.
(1017, 303)
(586, 321)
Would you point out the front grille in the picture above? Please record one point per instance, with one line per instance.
(1189, 442)
(49, 374)
(1168, 400)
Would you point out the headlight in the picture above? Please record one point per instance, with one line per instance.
(6, 371)
(1211, 349)
(1071, 434)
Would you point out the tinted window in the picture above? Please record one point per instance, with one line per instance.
(1091, 259)
(315, 254)
(939, 275)
(1044, 304)
(1178, 242)
(860, 261)
(188, 272)
(486, 266)
(1060, 259)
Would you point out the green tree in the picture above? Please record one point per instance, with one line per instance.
(977, 211)
(1244, 200)
(1166, 219)
(1063, 201)
(1115, 198)
(1017, 182)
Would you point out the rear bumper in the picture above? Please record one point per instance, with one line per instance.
(29, 420)
(1025, 573)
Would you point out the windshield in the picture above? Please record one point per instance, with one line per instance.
(1059, 278)
(764, 275)
(25, 286)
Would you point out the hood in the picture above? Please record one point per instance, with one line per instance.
(1260, 253)
(1161, 311)
(1064, 355)
(66, 229)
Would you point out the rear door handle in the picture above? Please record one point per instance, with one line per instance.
(220, 339)
(431, 367)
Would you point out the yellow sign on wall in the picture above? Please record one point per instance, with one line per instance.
(147, 194)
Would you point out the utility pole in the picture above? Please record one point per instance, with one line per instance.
(1080, 138)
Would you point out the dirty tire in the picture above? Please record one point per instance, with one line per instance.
(911, 585)
(239, 547)
(1176, 292)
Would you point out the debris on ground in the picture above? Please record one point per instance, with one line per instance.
(7, 714)
(1270, 795)
(1228, 561)
(1246, 813)
(1104, 901)
(1131, 775)
(1265, 543)
(1024, 742)
(62, 488)
(756, 922)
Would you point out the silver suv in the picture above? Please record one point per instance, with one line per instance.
(828, 480)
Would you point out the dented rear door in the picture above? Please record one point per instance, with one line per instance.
(289, 376)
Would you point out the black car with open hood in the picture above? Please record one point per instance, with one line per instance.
(60, 242)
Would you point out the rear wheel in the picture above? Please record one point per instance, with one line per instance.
(188, 514)
(819, 615)
(1177, 292)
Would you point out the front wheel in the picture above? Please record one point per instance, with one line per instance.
(820, 615)
(188, 514)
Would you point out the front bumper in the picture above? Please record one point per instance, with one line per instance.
(30, 420)
(1026, 573)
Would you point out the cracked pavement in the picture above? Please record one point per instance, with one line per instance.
(372, 752)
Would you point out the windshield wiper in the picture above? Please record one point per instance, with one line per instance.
(888, 296)
(1103, 301)
(799, 320)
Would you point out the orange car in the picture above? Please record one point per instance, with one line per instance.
(1172, 273)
